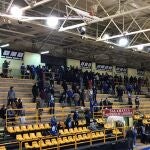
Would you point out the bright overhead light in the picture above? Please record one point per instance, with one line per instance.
(105, 36)
(4, 45)
(52, 21)
(140, 47)
(45, 52)
(123, 42)
(16, 12)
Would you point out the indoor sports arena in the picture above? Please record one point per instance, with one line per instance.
(74, 74)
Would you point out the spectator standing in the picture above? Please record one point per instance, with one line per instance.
(83, 97)
(54, 129)
(20, 106)
(120, 93)
(35, 92)
(3, 114)
(76, 118)
(137, 102)
(68, 121)
(130, 138)
(69, 96)
(135, 135)
(87, 117)
(22, 70)
(129, 100)
(11, 95)
(51, 104)
(64, 85)
(5, 67)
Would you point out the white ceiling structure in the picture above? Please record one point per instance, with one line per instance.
(105, 23)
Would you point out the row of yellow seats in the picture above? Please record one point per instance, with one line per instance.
(75, 130)
(82, 122)
(29, 136)
(108, 126)
(2, 148)
(64, 140)
(25, 128)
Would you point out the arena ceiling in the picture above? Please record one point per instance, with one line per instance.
(116, 18)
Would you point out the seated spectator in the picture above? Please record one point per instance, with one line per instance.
(63, 98)
(11, 96)
(107, 104)
(10, 114)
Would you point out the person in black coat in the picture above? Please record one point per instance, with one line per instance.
(35, 92)
(130, 138)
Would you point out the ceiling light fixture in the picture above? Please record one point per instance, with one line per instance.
(123, 42)
(140, 47)
(105, 36)
(45, 52)
(16, 12)
(81, 30)
(5, 45)
(52, 22)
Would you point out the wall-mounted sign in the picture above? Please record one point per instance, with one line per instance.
(104, 67)
(11, 54)
(118, 112)
(121, 69)
(86, 65)
(140, 72)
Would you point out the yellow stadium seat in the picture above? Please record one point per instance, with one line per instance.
(65, 140)
(32, 136)
(71, 131)
(24, 129)
(70, 139)
(101, 134)
(39, 135)
(94, 136)
(47, 126)
(80, 138)
(88, 135)
(116, 131)
(60, 141)
(41, 127)
(42, 144)
(75, 130)
(80, 129)
(83, 122)
(66, 131)
(17, 129)
(26, 137)
(54, 142)
(2, 148)
(35, 127)
(61, 132)
(85, 137)
(30, 127)
(48, 143)
(35, 144)
(27, 146)
(19, 137)
(10, 130)
(80, 122)
(85, 129)
(108, 126)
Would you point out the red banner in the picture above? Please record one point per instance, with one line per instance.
(118, 112)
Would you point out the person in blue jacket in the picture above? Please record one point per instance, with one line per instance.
(76, 118)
